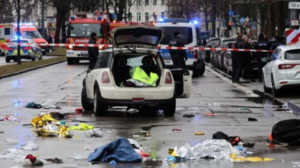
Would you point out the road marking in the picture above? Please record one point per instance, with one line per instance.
(245, 89)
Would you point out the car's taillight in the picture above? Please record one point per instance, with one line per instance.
(168, 79)
(105, 77)
(287, 66)
(28, 48)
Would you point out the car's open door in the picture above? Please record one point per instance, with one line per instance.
(183, 82)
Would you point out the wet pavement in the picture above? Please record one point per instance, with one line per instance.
(3, 62)
(61, 85)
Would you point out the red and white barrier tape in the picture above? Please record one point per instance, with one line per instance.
(159, 47)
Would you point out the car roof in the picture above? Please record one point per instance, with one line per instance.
(227, 39)
(214, 38)
(290, 47)
(22, 39)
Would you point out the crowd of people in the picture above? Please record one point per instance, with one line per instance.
(243, 60)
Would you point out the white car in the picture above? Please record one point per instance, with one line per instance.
(134, 47)
(283, 71)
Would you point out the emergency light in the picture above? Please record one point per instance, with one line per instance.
(161, 19)
(99, 18)
(72, 17)
(194, 22)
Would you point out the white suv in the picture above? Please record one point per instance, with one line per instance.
(107, 85)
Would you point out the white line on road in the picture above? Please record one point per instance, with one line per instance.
(245, 89)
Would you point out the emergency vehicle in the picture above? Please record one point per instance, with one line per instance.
(8, 31)
(190, 33)
(80, 28)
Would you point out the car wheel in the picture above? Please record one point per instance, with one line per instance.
(70, 61)
(41, 56)
(202, 69)
(76, 61)
(15, 60)
(44, 52)
(266, 90)
(196, 72)
(33, 59)
(99, 106)
(276, 92)
(170, 108)
(85, 101)
(7, 60)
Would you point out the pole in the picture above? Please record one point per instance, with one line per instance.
(43, 18)
(214, 19)
(18, 33)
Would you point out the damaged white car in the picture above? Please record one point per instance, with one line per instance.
(133, 74)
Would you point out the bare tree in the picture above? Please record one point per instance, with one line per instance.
(87, 5)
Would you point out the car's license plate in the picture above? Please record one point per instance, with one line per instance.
(167, 60)
(84, 54)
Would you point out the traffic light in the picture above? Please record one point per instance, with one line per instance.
(229, 25)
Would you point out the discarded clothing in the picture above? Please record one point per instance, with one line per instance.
(57, 115)
(82, 126)
(233, 140)
(287, 131)
(10, 118)
(217, 149)
(235, 158)
(79, 110)
(97, 132)
(137, 83)
(119, 150)
(54, 129)
(31, 160)
(34, 105)
(252, 119)
(220, 135)
(137, 73)
(189, 115)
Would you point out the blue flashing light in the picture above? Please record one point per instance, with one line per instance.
(72, 17)
(16, 37)
(195, 22)
(161, 19)
(99, 18)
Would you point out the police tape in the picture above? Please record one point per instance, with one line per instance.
(104, 46)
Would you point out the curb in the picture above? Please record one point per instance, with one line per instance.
(295, 108)
(31, 69)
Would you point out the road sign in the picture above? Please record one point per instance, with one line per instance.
(294, 22)
(242, 20)
(230, 12)
(294, 5)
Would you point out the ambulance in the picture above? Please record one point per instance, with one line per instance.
(8, 31)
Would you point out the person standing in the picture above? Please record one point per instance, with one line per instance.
(93, 51)
(178, 56)
(247, 60)
(237, 61)
(262, 44)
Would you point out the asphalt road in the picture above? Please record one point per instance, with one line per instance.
(61, 85)
(3, 62)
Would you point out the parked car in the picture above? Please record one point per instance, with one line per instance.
(109, 83)
(218, 55)
(212, 43)
(283, 70)
(29, 50)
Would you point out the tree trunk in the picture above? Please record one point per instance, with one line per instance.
(280, 18)
(271, 20)
(58, 27)
(206, 19)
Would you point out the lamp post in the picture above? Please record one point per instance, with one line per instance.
(214, 19)
(43, 18)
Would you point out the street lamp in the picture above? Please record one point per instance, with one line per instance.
(18, 33)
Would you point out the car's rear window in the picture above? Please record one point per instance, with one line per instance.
(292, 55)
(185, 32)
(103, 60)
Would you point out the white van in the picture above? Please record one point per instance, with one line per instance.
(190, 33)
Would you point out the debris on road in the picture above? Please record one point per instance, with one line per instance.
(113, 162)
(210, 114)
(34, 105)
(189, 115)
(79, 110)
(119, 150)
(217, 149)
(12, 154)
(57, 115)
(11, 141)
(199, 133)
(10, 118)
(97, 132)
(42, 119)
(30, 146)
(147, 162)
(248, 144)
(80, 157)
(53, 129)
(236, 158)
(81, 126)
(54, 160)
(213, 105)
(176, 130)
(31, 160)
(252, 119)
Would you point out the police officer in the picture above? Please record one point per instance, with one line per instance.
(178, 56)
(278, 42)
(93, 51)
(262, 44)
(237, 61)
(246, 56)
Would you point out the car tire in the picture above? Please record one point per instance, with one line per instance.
(275, 92)
(202, 70)
(70, 61)
(170, 108)
(87, 106)
(44, 52)
(100, 107)
(76, 61)
(16, 60)
(7, 60)
(196, 72)
(33, 59)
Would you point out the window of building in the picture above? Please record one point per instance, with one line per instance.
(162, 2)
(162, 15)
(129, 2)
(146, 2)
(138, 2)
(154, 2)
(138, 16)
(7, 31)
(147, 16)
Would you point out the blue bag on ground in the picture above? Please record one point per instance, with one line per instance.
(119, 150)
